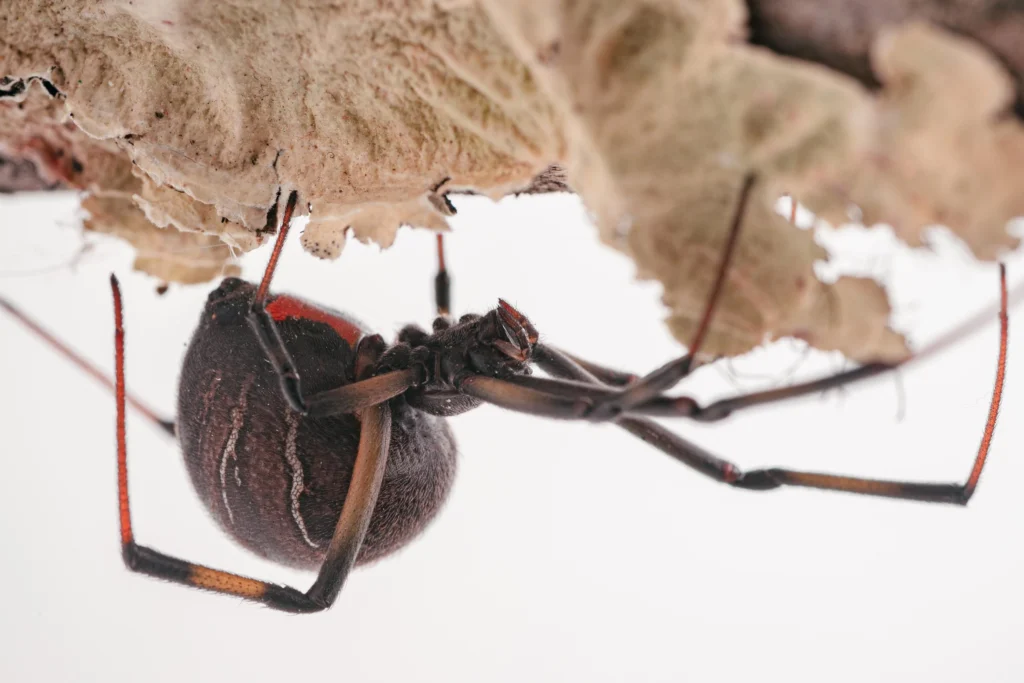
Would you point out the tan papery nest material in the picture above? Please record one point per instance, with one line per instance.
(186, 121)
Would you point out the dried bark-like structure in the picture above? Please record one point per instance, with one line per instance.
(840, 33)
(198, 116)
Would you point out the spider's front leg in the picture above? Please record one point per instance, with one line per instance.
(667, 376)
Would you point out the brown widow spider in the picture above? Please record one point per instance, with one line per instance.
(284, 404)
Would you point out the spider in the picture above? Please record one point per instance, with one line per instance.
(316, 444)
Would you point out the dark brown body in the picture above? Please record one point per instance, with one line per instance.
(276, 480)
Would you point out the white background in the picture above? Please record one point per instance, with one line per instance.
(566, 551)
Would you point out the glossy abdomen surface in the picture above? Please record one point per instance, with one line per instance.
(276, 480)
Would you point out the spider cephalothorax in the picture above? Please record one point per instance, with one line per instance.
(499, 343)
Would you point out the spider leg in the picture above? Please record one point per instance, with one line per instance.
(442, 283)
(606, 375)
(667, 376)
(275, 255)
(349, 533)
(90, 369)
(562, 365)
(349, 398)
(565, 399)
(574, 392)
(683, 406)
(575, 400)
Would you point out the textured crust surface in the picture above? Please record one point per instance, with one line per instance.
(200, 113)
(840, 33)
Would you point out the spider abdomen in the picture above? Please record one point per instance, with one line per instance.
(276, 480)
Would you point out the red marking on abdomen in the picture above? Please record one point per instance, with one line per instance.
(289, 307)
